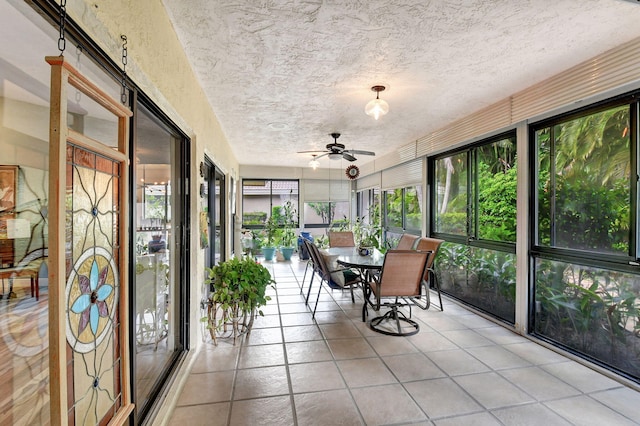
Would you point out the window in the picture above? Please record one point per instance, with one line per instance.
(586, 298)
(322, 214)
(403, 213)
(262, 198)
(475, 213)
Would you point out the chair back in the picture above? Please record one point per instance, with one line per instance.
(407, 242)
(429, 244)
(341, 239)
(402, 273)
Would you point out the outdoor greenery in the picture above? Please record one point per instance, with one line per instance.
(289, 224)
(584, 183)
(482, 277)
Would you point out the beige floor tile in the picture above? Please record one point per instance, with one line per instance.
(391, 345)
(529, 415)
(623, 400)
(467, 338)
(497, 357)
(264, 336)
(365, 372)
(291, 290)
(432, 341)
(357, 347)
(332, 317)
(261, 382)
(266, 321)
(534, 353)
(492, 390)
(291, 298)
(412, 366)
(201, 415)
(442, 398)
(538, 383)
(585, 411)
(326, 306)
(479, 419)
(457, 362)
(206, 388)
(217, 359)
(339, 331)
(261, 356)
(292, 308)
(317, 376)
(274, 411)
(501, 335)
(301, 333)
(334, 407)
(304, 318)
(447, 374)
(444, 323)
(581, 377)
(298, 352)
(474, 322)
(387, 404)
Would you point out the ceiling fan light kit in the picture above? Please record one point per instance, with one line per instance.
(335, 151)
(377, 107)
(314, 164)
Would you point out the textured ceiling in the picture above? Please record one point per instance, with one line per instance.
(281, 75)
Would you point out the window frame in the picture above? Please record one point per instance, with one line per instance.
(600, 259)
(471, 236)
(271, 204)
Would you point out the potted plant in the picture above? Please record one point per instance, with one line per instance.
(288, 238)
(270, 229)
(238, 290)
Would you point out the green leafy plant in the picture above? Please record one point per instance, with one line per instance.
(288, 211)
(238, 290)
(270, 231)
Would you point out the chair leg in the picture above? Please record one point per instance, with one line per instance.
(306, 300)
(436, 284)
(317, 299)
(304, 277)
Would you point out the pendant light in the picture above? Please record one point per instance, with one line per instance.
(377, 107)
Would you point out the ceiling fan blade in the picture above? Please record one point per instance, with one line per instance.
(320, 156)
(348, 156)
(307, 152)
(355, 151)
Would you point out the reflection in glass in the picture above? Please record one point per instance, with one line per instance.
(483, 278)
(157, 337)
(590, 310)
(451, 194)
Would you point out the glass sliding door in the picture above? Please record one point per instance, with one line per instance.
(213, 210)
(159, 287)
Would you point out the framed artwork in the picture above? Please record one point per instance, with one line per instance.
(8, 188)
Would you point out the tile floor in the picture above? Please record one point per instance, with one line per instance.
(460, 369)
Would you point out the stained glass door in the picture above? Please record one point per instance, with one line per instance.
(87, 224)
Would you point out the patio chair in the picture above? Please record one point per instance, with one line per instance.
(407, 242)
(341, 239)
(310, 264)
(430, 277)
(334, 275)
(400, 280)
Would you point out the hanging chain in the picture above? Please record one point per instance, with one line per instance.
(79, 67)
(63, 17)
(123, 95)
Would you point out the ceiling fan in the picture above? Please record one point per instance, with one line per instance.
(336, 151)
